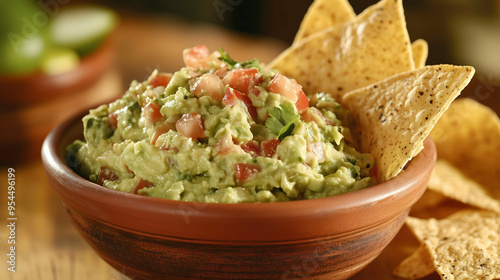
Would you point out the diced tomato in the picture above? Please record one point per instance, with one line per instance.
(316, 149)
(194, 56)
(255, 91)
(163, 128)
(113, 120)
(199, 57)
(243, 79)
(141, 185)
(106, 174)
(268, 147)
(191, 125)
(152, 113)
(209, 85)
(232, 96)
(221, 72)
(161, 79)
(244, 171)
(226, 145)
(289, 89)
(252, 147)
(313, 114)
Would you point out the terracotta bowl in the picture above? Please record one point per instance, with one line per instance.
(151, 238)
(32, 105)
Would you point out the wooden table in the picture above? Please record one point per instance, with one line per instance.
(47, 245)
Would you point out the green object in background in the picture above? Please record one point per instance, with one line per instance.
(23, 38)
(82, 28)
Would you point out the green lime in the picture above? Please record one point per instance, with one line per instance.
(82, 28)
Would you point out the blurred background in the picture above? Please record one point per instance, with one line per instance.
(88, 63)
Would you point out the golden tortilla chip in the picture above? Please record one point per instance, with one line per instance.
(468, 137)
(420, 51)
(465, 245)
(373, 46)
(394, 116)
(417, 265)
(449, 181)
(322, 14)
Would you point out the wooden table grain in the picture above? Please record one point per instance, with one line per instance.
(47, 245)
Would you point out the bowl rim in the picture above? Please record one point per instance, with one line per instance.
(277, 221)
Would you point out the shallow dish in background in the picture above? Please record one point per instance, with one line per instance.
(152, 238)
(21, 90)
(32, 105)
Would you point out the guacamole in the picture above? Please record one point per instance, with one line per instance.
(221, 131)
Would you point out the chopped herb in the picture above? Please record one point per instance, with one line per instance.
(231, 63)
(282, 120)
(354, 171)
(186, 176)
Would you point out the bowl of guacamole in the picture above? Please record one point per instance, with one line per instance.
(221, 131)
(225, 170)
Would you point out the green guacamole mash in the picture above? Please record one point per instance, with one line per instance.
(221, 131)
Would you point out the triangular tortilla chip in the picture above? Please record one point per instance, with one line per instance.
(394, 116)
(468, 136)
(323, 14)
(420, 51)
(465, 245)
(449, 181)
(416, 266)
(373, 46)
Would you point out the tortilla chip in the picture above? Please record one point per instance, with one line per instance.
(420, 51)
(323, 14)
(468, 137)
(465, 245)
(417, 265)
(373, 46)
(393, 117)
(449, 181)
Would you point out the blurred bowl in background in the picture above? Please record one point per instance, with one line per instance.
(31, 105)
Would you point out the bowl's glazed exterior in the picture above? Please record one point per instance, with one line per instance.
(151, 238)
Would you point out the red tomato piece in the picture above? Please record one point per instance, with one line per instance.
(221, 72)
(106, 174)
(243, 79)
(317, 149)
(268, 147)
(152, 113)
(191, 125)
(255, 91)
(141, 185)
(226, 145)
(374, 172)
(199, 57)
(195, 56)
(252, 147)
(163, 128)
(161, 79)
(289, 89)
(113, 120)
(232, 96)
(244, 171)
(209, 85)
